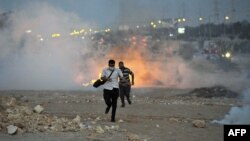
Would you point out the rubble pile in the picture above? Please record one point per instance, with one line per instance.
(210, 92)
(18, 119)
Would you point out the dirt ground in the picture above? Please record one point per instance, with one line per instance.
(156, 114)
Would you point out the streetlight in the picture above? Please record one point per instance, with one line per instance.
(227, 18)
(200, 19)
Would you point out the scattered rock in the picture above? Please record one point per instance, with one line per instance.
(157, 125)
(199, 123)
(11, 129)
(12, 102)
(98, 118)
(115, 127)
(120, 121)
(20, 131)
(99, 130)
(173, 120)
(133, 137)
(77, 119)
(107, 128)
(38, 109)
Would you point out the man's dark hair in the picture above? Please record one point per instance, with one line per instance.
(121, 62)
(111, 61)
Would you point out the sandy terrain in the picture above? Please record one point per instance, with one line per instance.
(155, 115)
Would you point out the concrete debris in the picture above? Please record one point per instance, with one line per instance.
(21, 119)
(77, 119)
(107, 128)
(11, 129)
(12, 102)
(38, 109)
(98, 118)
(99, 130)
(173, 120)
(133, 137)
(120, 121)
(199, 123)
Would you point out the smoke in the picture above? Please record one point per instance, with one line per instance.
(31, 59)
(165, 65)
(238, 115)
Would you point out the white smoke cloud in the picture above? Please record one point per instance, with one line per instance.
(31, 59)
(238, 115)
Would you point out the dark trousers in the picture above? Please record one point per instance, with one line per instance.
(110, 97)
(125, 91)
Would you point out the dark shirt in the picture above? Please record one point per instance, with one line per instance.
(126, 72)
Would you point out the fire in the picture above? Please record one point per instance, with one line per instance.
(91, 82)
(151, 69)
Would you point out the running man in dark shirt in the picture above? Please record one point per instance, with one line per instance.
(125, 84)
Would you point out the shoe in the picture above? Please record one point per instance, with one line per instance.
(129, 102)
(107, 110)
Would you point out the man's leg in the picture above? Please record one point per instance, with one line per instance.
(128, 94)
(122, 93)
(107, 99)
(114, 96)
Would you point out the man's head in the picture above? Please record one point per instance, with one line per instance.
(111, 64)
(121, 64)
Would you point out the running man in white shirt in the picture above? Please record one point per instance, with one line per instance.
(111, 87)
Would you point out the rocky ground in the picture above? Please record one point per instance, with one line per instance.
(156, 114)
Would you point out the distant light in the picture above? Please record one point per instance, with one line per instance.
(90, 30)
(179, 20)
(159, 22)
(200, 19)
(83, 37)
(28, 31)
(152, 23)
(226, 17)
(228, 54)
(154, 26)
(137, 26)
(75, 32)
(171, 35)
(41, 39)
(82, 30)
(107, 30)
(181, 30)
(55, 35)
(183, 19)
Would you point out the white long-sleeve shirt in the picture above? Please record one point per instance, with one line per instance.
(113, 83)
